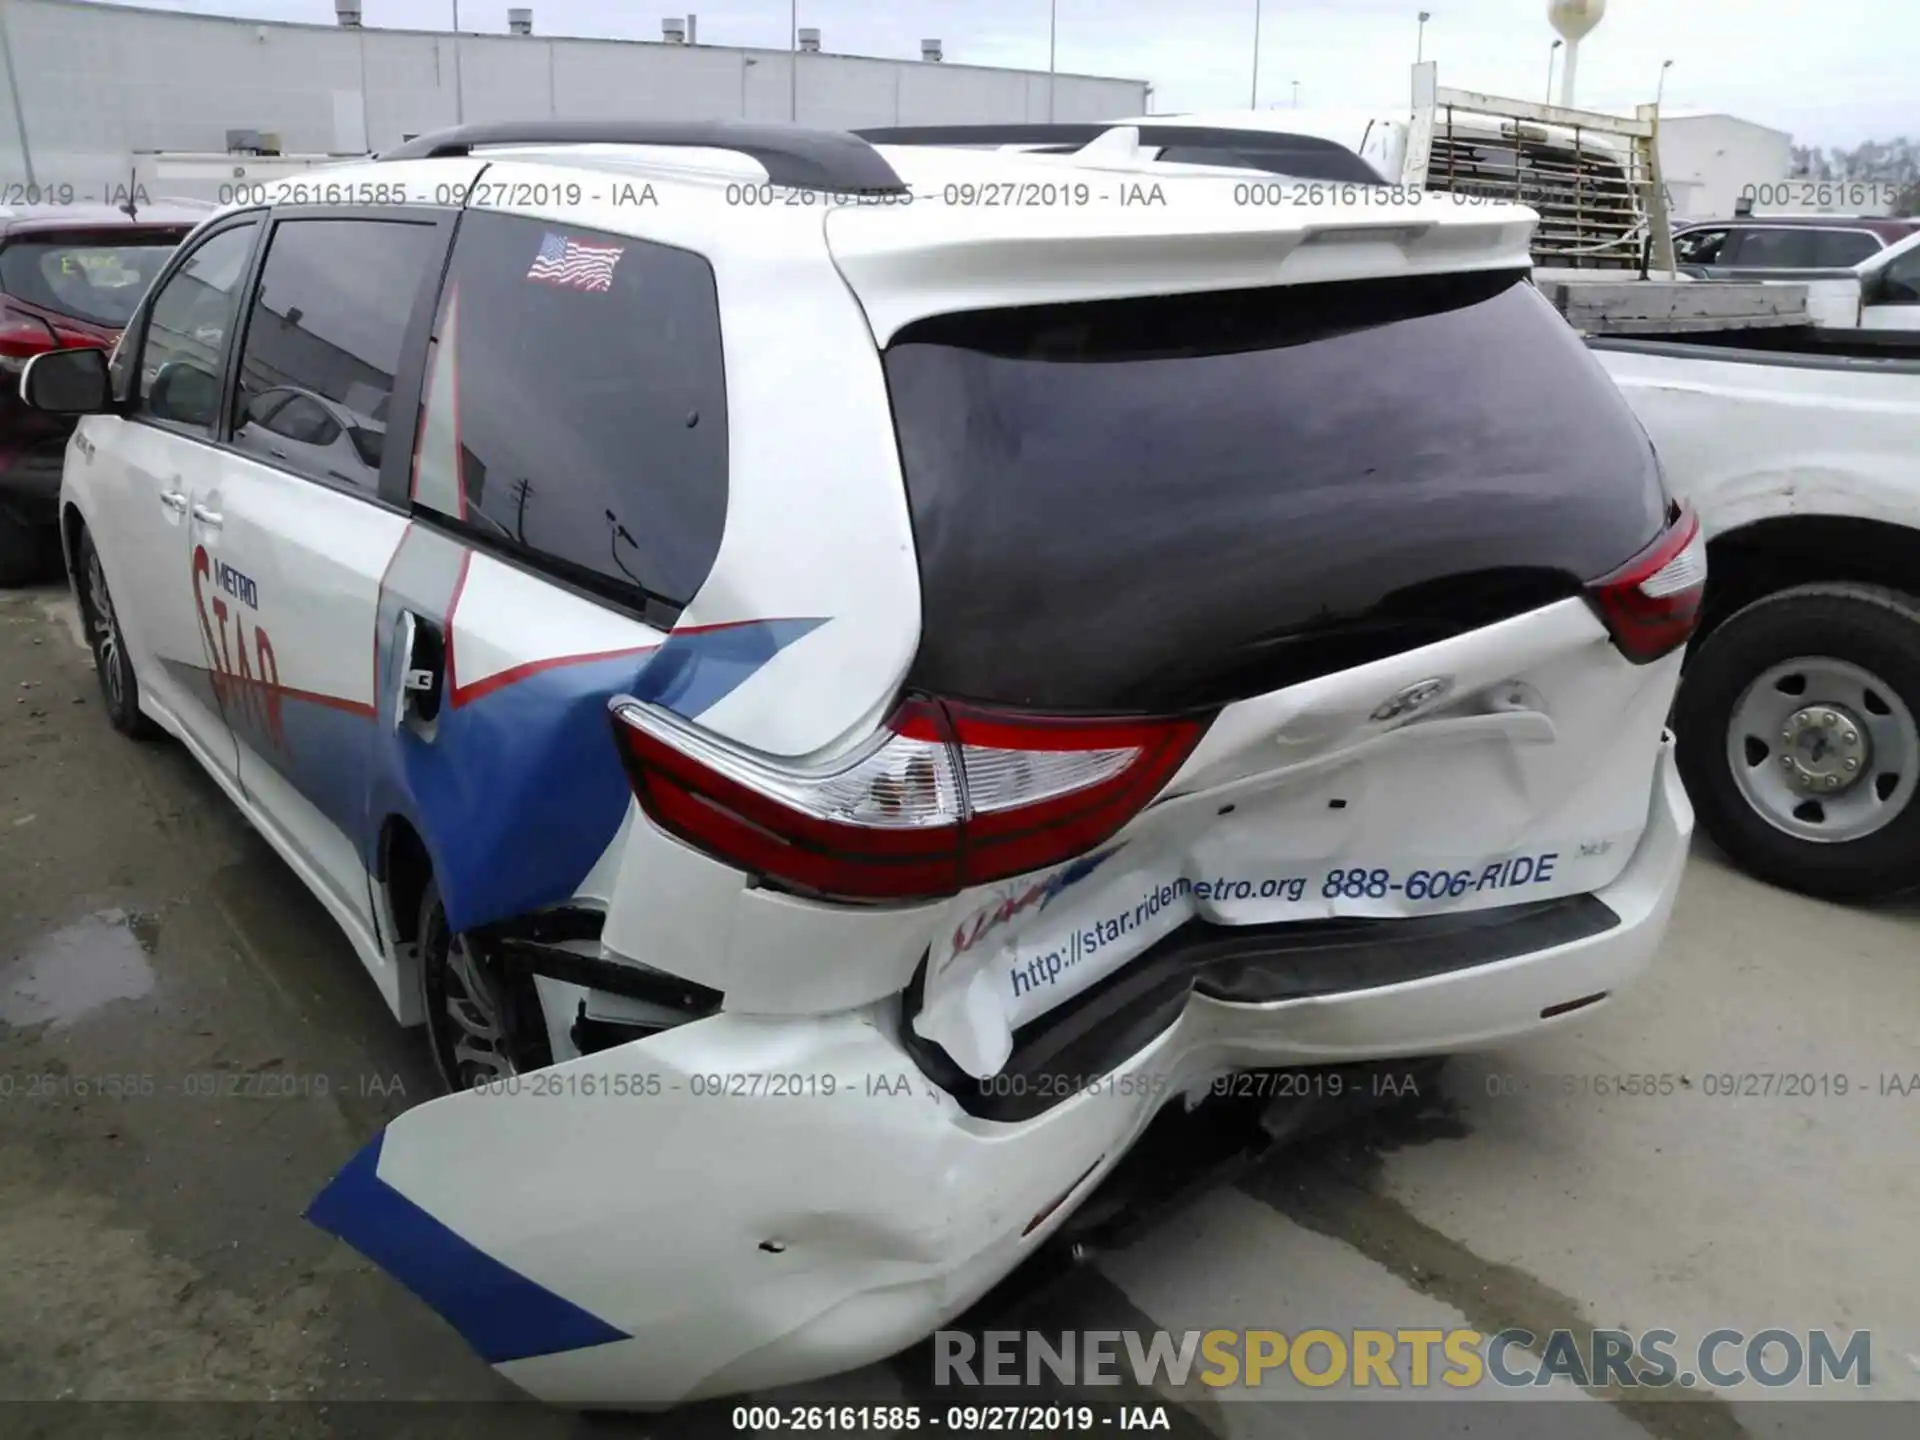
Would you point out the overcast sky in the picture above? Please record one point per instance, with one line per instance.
(1834, 73)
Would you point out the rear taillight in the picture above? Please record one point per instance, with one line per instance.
(944, 797)
(1652, 603)
(23, 336)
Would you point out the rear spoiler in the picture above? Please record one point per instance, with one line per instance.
(1299, 157)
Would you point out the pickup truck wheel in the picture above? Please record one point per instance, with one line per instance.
(1799, 740)
(111, 662)
(482, 1026)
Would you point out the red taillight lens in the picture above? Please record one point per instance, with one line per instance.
(944, 797)
(1652, 603)
(22, 337)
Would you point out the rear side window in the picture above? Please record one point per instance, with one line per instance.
(588, 405)
(1839, 248)
(1152, 504)
(1781, 249)
(96, 277)
(323, 341)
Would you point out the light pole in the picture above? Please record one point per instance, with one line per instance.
(459, 96)
(1253, 101)
(1553, 52)
(1661, 89)
(1296, 94)
(1053, 31)
(747, 62)
(1420, 38)
(793, 60)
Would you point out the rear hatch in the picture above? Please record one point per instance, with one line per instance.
(1242, 605)
(1350, 534)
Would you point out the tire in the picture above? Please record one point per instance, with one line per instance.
(1837, 668)
(112, 665)
(26, 551)
(482, 1026)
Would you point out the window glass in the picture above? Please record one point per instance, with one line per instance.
(1698, 247)
(576, 405)
(1286, 462)
(1901, 280)
(323, 342)
(1780, 249)
(187, 331)
(303, 419)
(90, 277)
(1839, 248)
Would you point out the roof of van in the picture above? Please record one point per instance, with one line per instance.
(980, 228)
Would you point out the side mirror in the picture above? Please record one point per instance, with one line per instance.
(67, 382)
(185, 393)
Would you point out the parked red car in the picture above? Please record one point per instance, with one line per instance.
(69, 275)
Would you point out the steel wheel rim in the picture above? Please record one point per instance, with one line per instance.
(472, 1039)
(106, 630)
(1777, 741)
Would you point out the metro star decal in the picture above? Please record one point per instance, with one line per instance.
(245, 690)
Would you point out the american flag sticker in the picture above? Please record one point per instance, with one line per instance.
(578, 266)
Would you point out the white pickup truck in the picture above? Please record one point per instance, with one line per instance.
(1799, 712)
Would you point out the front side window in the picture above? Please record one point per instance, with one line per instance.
(1699, 247)
(187, 328)
(575, 408)
(1900, 281)
(323, 341)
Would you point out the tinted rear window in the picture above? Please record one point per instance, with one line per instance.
(91, 278)
(592, 402)
(1142, 504)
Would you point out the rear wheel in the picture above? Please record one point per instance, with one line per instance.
(111, 662)
(483, 1025)
(1799, 739)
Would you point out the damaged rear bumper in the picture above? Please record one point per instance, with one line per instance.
(738, 1203)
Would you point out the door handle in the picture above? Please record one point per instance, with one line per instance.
(212, 519)
(420, 651)
(174, 500)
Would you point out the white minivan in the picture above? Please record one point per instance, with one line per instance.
(839, 681)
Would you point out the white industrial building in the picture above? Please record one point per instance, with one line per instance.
(1711, 160)
(92, 86)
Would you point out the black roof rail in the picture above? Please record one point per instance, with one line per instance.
(1278, 152)
(828, 160)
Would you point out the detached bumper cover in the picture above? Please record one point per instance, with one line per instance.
(739, 1203)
